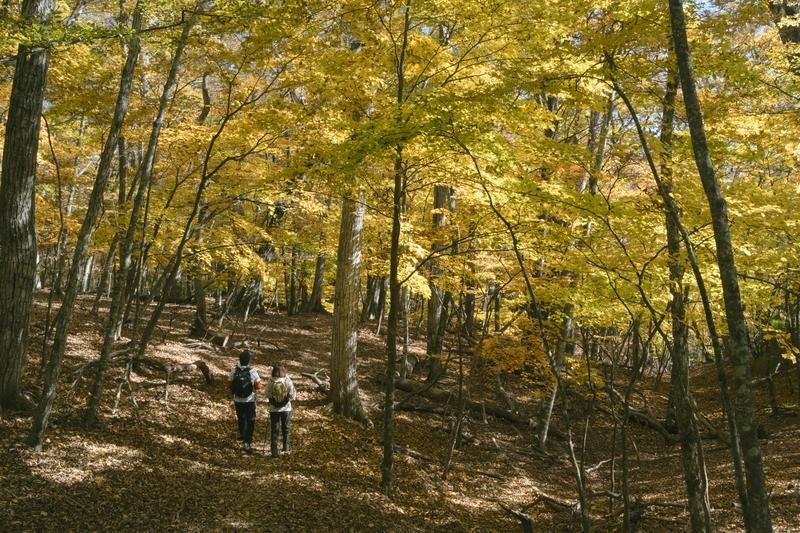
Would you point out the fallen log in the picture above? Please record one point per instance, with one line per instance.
(200, 345)
(425, 458)
(170, 370)
(524, 518)
(491, 408)
(323, 386)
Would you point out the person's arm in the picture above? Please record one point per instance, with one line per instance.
(256, 380)
(292, 390)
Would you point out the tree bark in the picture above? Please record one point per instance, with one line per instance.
(126, 248)
(674, 212)
(387, 466)
(398, 202)
(91, 217)
(17, 205)
(691, 445)
(344, 345)
(744, 407)
(438, 310)
(315, 300)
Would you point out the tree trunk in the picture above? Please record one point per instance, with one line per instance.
(387, 466)
(17, 205)
(200, 324)
(63, 235)
(375, 294)
(404, 367)
(292, 303)
(567, 326)
(208, 171)
(344, 345)
(438, 311)
(105, 276)
(93, 213)
(126, 248)
(691, 452)
(744, 407)
(680, 394)
(315, 300)
(398, 201)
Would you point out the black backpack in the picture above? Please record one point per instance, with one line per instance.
(242, 384)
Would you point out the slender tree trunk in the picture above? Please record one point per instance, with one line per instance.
(674, 212)
(63, 235)
(200, 324)
(344, 345)
(387, 466)
(207, 173)
(680, 393)
(398, 201)
(17, 205)
(292, 293)
(126, 248)
(567, 325)
(105, 276)
(404, 367)
(693, 473)
(93, 212)
(438, 311)
(744, 407)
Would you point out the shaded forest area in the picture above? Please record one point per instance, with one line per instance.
(531, 267)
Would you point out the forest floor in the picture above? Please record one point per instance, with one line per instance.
(180, 467)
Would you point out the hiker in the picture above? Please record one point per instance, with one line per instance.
(280, 392)
(244, 382)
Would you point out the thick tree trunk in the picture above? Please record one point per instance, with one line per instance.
(86, 274)
(344, 345)
(93, 213)
(315, 300)
(376, 293)
(17, 202)
(744, 407)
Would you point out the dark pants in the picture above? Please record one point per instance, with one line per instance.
(246, 417)
(281, 419)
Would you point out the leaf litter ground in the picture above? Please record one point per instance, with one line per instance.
(180, 467)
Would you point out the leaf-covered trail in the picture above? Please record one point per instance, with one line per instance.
(181, 467)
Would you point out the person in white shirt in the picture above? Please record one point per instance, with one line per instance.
(243, 384)
(281, 393)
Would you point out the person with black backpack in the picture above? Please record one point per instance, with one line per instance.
(280, 392)
(244, 382)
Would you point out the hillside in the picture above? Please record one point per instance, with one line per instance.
(179, 467)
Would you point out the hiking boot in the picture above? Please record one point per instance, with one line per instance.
(246, 447)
